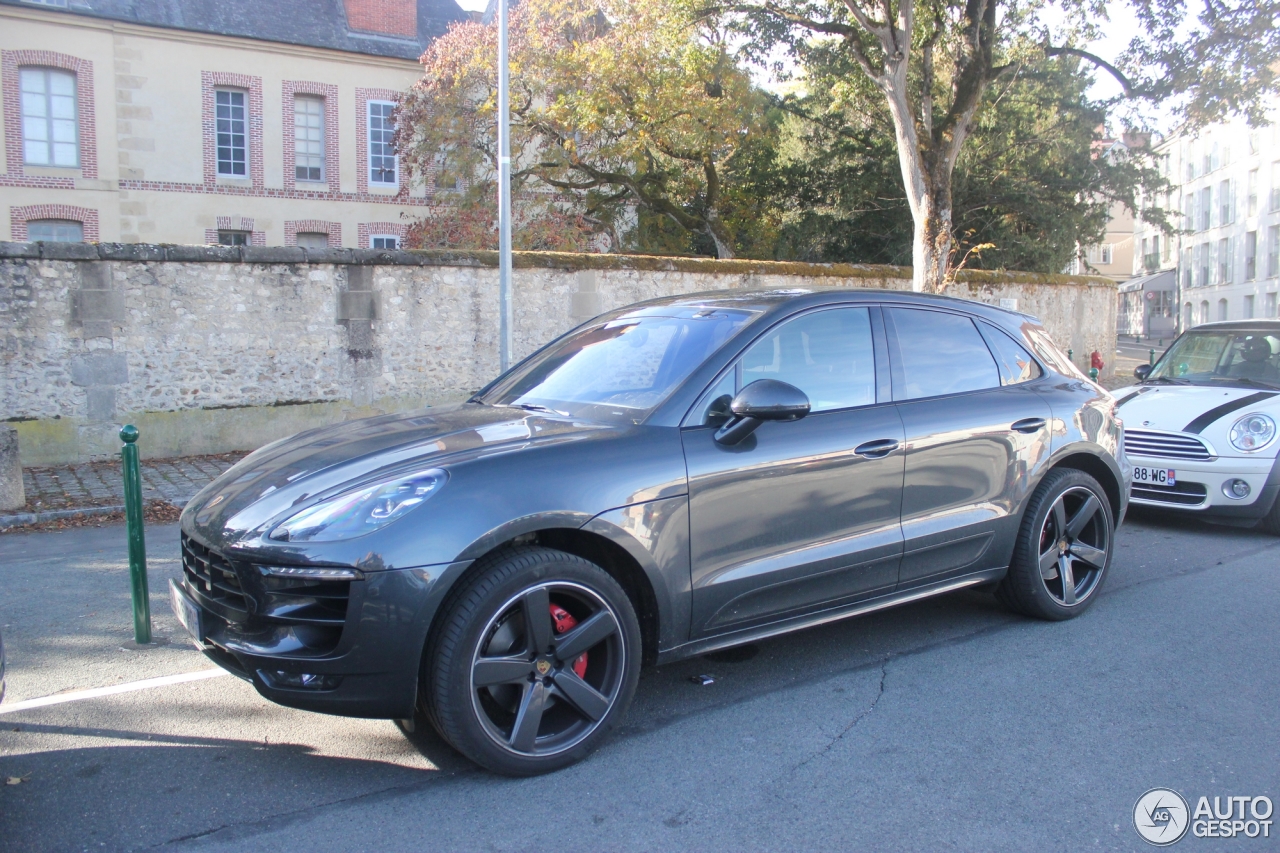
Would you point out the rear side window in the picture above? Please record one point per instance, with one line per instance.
(827, 354)
(1015, 363)
(938, 353)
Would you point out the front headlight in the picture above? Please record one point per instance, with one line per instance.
(353, 514)
(1252, 432)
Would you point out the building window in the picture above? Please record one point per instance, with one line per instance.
(1222, 309)
(233, 238)
(313, 240)
(1224, 261)
(1187, 318)
(1273, 251)
(1186, 267)
(231, 130)
(1204, 311)
(1248, 307)
(382, 157)
(1251, 200)
(50, 136)
(55, 231)
(1251, 256)
(1226, 210)
(1271, 305)
(384, 241)
(1206, 208)
(1203, 251)
(308, 138)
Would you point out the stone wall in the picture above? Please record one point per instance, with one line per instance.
(209, 349)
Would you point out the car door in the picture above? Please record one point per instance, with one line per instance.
(977, 434)
(800, 514)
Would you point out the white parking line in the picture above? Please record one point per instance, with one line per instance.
(145, 684)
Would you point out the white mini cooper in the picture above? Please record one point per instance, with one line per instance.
(1200, 426)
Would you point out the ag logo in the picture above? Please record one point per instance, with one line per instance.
(1160, 816)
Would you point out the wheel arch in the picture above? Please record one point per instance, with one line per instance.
(1094, 466)
(629, 566)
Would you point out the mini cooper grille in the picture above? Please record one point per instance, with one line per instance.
(1141, 442)
(258, 601)
(1183, 494)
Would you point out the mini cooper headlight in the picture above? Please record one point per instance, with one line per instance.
(356, 513)
(1252, 432)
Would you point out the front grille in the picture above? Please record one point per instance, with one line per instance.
(212, 576)
(1164, 445)
(1182, 494)
(264, 607)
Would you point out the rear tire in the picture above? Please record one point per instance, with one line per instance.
(535, 660)
(1064, 548)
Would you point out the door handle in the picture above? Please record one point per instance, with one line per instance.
(876, 449)
(1028, 425)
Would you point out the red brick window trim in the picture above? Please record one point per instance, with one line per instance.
(366, 230)
(291, 89)
(235, 223)
(20, 216)
(10, 62)
(209, 81)
(294, 227)
(363, 97)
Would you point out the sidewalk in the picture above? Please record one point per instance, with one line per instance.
(97, 488)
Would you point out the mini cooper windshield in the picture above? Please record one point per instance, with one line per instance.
(1244, 357)
(618, 371)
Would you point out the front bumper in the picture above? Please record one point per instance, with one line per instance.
(1200, 486)
(352, 649)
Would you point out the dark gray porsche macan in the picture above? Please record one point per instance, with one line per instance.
(671, 478)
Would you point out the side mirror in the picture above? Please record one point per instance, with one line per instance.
(1142, 371)
(762, 400)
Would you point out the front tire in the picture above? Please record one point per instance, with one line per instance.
(535, 660)
(1064, 548)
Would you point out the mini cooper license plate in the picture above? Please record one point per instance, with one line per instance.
(187, 611)
(1154, 476)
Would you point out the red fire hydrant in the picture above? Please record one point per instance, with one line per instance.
(1095, 360)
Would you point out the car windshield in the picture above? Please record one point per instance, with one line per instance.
(619, 370)
(1211, 357)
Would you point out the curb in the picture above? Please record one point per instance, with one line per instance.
(21, 518)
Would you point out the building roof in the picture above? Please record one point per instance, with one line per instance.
(313, 23)
(1164, 280)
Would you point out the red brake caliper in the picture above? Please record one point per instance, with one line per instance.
(564, 621)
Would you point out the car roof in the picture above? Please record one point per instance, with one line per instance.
(1237, 326)
(774, 299)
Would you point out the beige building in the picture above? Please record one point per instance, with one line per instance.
(260, 122)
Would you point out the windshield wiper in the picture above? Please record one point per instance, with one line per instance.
(534, 407)
(1165, 379)
(1257, 383)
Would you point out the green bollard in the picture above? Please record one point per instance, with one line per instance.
(1071, 356)
(1151, 357)
(137, 539)
(1093, 373)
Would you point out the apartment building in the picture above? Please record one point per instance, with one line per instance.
(258, 122)
(1226, 198)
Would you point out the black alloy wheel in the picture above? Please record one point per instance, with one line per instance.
(1064, 548)
(535, 661)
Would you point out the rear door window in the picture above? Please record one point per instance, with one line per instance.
(935, 353)
(1015, 363)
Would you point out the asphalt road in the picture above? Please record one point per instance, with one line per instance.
(945, 725)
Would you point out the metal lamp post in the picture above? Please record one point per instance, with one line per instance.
(504, 193)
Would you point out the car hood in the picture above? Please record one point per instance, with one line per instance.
(1190, 408)
(293, 472)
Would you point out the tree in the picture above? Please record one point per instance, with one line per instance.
(933, 62)
(1028, 188)
(616, 104)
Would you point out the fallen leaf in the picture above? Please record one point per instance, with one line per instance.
(13, 780)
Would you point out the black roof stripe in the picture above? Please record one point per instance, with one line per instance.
(1198, 425)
